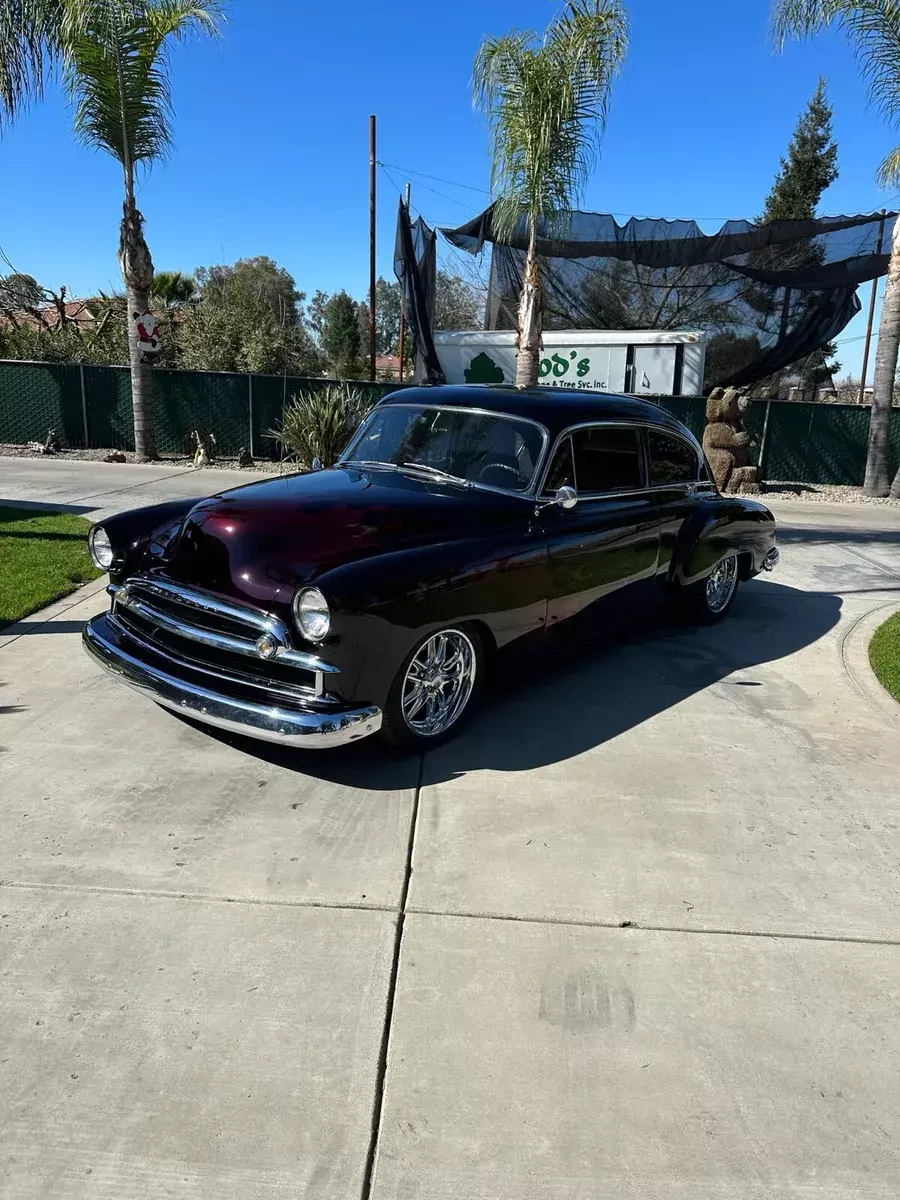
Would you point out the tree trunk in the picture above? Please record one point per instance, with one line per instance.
(137, 272)
(528, 333)
(895, 486)
(878, 480)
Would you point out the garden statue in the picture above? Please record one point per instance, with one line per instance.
(727, 444)
(205, 452)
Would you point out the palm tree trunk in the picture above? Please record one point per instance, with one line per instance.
(137, 272)
(528, 340)
(878, 480)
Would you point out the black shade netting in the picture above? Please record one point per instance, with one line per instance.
(767, 296)
(415, 265)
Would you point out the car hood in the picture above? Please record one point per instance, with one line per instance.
(260, 541)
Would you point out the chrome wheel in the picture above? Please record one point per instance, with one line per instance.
(438, 683)
(721, 584)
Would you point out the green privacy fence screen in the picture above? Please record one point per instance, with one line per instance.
(91, 406)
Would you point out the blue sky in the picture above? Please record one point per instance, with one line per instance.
(271, 136)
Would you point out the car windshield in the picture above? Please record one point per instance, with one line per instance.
(476, 448)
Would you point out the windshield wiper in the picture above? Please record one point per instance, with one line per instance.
(368, 462)
(436, 473)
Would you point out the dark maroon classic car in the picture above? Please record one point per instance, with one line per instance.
(315, 609)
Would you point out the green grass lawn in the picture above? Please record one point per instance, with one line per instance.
(884, 654)
(42, 556)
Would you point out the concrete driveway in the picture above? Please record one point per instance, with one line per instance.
(634, 936)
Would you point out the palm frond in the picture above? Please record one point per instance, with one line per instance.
(116, 70)
(889, 172)
(29, 44)
(546, 100)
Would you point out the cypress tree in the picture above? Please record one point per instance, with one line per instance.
(810, 166)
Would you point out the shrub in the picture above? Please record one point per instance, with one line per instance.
(319, 424)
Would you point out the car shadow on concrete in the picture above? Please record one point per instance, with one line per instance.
(37, 508)
(554, 707)
(828, 533)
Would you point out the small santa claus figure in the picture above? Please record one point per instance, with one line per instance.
(147, 333)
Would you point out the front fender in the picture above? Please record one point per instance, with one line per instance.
(718, 526)
(382, 606)
(142, 537)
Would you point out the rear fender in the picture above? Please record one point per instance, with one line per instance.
(717, 527)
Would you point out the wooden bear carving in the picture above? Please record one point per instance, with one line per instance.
(727, 444)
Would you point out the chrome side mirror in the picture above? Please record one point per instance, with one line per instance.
(566, 497)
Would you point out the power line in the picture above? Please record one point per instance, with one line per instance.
(438, 179)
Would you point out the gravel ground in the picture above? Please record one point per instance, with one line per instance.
(826, 493)
(222, 463)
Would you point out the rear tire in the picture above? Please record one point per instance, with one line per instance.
(435, 689)
(709, 600)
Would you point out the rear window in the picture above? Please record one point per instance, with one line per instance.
(607, 459)
(671, 459)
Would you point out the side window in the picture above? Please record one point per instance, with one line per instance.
(561, 470)
(607, 459)
(671, 459)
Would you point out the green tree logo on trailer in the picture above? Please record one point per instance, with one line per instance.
(483, 369)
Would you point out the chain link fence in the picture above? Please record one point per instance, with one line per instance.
(90, 406)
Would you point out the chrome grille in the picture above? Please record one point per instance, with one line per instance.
(219, 637)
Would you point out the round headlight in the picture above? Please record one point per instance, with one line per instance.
(100, 548)
(312, 614)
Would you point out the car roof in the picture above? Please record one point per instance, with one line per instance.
(557, 408)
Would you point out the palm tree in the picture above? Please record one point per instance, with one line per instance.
(115, 62)
(116, 71)
(873, 29)
(174, 289)
(546, 101)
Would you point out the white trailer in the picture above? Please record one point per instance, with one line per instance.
(639, 361)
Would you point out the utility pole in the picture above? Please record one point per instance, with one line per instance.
(372, 246)
(868, 341)
(402, 297)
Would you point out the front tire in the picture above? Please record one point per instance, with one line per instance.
(710, 599)
(435, 689)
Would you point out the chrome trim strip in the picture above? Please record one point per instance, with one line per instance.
(310, 730)
(290, 691)
(215, 605)
(528, 492)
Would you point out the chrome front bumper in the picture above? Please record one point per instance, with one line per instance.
(307, 729)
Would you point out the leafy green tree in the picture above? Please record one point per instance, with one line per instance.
(546, 100)
(457, 305)
(873, 29)
(341, 339)
(249, 317)
(387, 316)
(18, 292)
